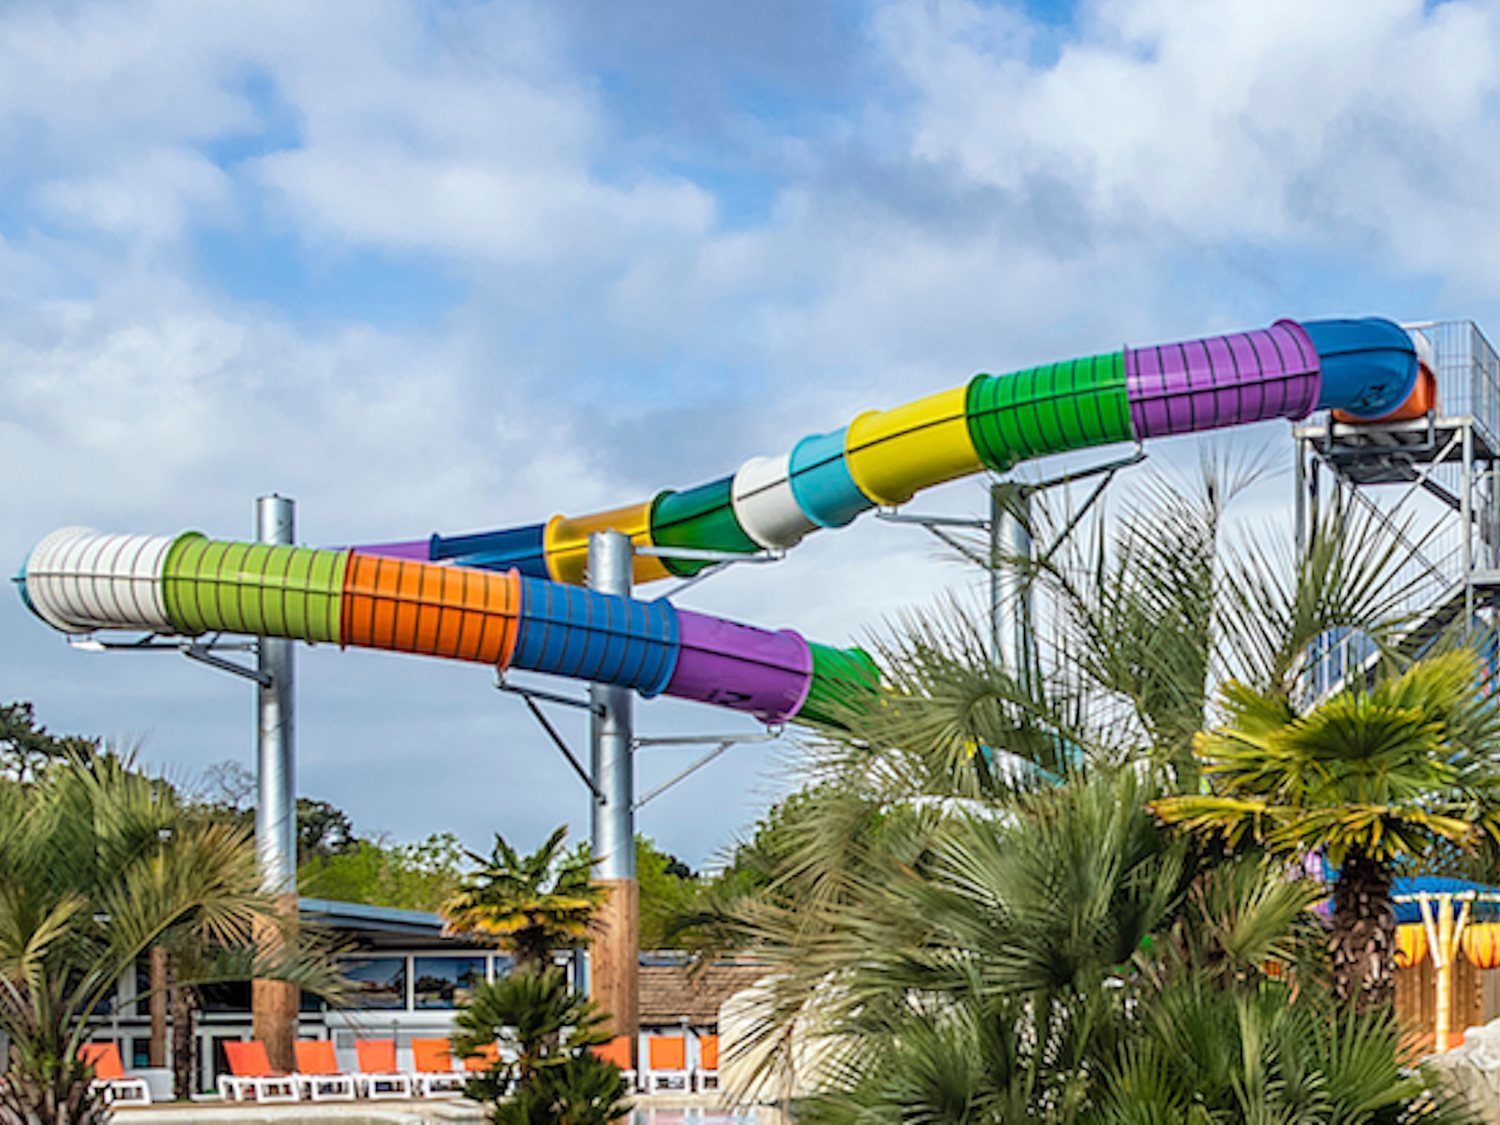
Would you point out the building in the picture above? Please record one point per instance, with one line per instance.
(409, 979)
(677, 998)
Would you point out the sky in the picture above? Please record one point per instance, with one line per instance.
(450, 266)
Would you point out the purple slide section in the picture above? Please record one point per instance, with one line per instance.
(771, 672)
(416, 549)
(1222, 380)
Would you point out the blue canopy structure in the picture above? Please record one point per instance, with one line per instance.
(1405, 892)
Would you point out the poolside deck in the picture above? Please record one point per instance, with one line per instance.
(380, 1111)
(377, 1111)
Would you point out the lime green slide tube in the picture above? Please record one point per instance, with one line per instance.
(215, 586)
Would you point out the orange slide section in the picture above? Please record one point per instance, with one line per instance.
(432, 610)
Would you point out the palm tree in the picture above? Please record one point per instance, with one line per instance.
(948, 871)
(1062, 956)
(1368, 779)
(533, 904)
(98, 864)
(546, 1071)
(1146, 616)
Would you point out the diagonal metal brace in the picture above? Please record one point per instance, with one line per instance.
(1110, 467)
(204, 654)
(721, 744)
(529, 693)
(562, 746)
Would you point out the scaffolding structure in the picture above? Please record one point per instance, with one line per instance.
(1432, 482)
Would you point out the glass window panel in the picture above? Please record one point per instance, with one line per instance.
(142, 989)
(377, 982)
(446, 982)
(227, 996)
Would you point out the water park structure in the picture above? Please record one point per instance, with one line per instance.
(516, 598)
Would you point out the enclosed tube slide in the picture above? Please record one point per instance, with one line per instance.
(511, 598)
(78, 581)
(1366, 369)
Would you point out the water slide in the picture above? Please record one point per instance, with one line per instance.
(511, 598)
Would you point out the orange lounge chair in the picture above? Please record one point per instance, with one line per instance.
(377, 1069)
(666, 1064)
(250, 1073)
(109, 1075)
(617, 1051)
(318, 1072)
(486, 1057)
(707, 1073)
(433, 1062)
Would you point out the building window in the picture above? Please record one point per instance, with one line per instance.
(226, 996)
(378, 982)
(142, 1007)
(446, 982)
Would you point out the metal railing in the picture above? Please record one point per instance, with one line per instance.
(1468, 373)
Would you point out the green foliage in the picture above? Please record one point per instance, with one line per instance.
(544, 1032)
(1209, 1055)
(28, 750)
(588, 1091)
(1145, 626)
(1385, 773)
(532, 904)
(418, 876)
(972, 914)
(1064, 957)
(1371, 779)
(323, 829)
(98, 863)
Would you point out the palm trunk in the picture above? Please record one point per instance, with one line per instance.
(64, 1097)
(184, 1041)
(1362, 946)
(158, 1006)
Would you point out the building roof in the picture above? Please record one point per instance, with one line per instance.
(671, 992)
(383, 926)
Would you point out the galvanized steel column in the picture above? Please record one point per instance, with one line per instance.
(615, 954)
(275, 743)
(274, 1003)
(610, 727)
(1010, 586)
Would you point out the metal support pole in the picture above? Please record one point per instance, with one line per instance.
(275, 745)
(615, 955)
(1010, 586)
(1466, 517)
(274, 1003)
(610, 727)
(1299, 522)
(1492, 515)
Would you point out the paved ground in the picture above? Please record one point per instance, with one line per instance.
(658, 1110)
(396, 1111)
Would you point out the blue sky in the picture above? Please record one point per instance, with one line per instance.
(449, 266)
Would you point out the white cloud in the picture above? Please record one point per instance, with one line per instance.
(150, 199)
(1346, 124)
(470, 207)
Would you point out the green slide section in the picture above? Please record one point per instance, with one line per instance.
(701, 518)
(843, 681)
(215, 586)
(1054, 408)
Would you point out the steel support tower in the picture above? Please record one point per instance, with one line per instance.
(1429, 481)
